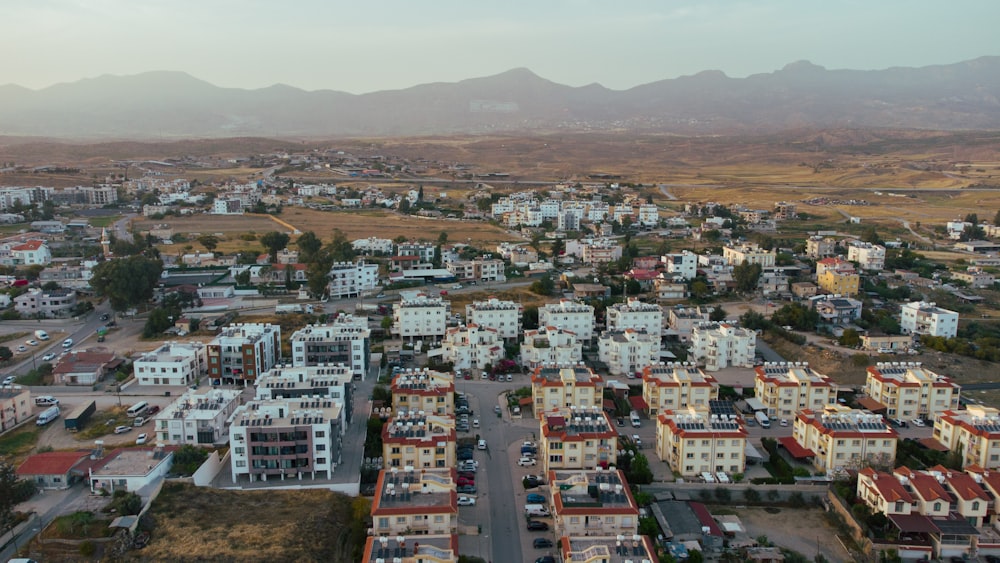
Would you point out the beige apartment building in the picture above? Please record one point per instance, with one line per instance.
(423, 441)
(693, 442)
(424, 390)
(973, 432)
(676, 385)
(577, 438)
(908, 390)
(785, 388)
(557, 387)
(415, 502)
(839, 439)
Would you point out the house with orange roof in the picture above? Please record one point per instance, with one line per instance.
(884, 492)
(561, 387)
(592, 503)
(51, 470)
(968, 498)
(415, 501)
(30, 253)
(930, 496)
(670, 386)
(974, 433)
(577, 438)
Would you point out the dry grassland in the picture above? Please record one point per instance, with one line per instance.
(364, 223)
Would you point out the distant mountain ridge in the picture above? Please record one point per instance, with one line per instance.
(164, 104)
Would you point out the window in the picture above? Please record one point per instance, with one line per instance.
(975, 505)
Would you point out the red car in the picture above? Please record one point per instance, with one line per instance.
(465, 481)
(444, 293)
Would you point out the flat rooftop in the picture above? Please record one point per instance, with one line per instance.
(132, 461)
(610, 549)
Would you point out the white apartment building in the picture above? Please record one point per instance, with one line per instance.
(868, 256)
(908, 390)
(570, 315)
(748, 253)
(649, 215)
(838, 439)
(721, 345)
(373, 246)
(550, 345)
(600, 252)
(921, 317)
(197, 418)
(472, 347)
(480, 270)
(627, 352)
(344, 340)
(621, 212)
(325, 381)
(174, 363)
(693, 442)
(568, 220)
(30, 253)
(420, 317)
(785, 388)
(682, 320)
(675, 385)
(589, 503)
(422, 250)
(241, 352)
(683, 264)
(261, 431)
(637, 315)
(504, 316)
(52, 304)
(349, 279)
(597, 211)
(550, 208)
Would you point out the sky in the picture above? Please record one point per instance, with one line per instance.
(369, 45)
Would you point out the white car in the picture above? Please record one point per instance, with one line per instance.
(22, 348)
(526, 461)
(783, 422)
(637, 440)
(141, 439)
(917, 422)
(32, 342)
(122, 429)
(482, 444)
(466, 501)
(9, 380)
(475, 423)
(510, 377)
(48, 357)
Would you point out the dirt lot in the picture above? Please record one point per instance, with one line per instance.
(802, 530)
(208, 224)
(364, 223)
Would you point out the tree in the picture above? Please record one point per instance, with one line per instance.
(243, 278)
(420, 194)
(996, 219)
(308, 244)
(746, 276)
(188, 459)
(210, 242)
(442, 238)
(12, 492)
(717, 315)
(5, 354)
(700, 289)
(127, 282)
(274, 242)
(544, 286)
(850, 338)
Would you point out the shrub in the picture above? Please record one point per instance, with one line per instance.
(88, 549)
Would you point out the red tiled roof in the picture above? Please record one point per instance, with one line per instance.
(705, 518)
(913, 523)
(50, 463)
(637, 402)
(793, 447)
(932, 444)
(29, 245)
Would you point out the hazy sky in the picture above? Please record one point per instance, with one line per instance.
(368, 45)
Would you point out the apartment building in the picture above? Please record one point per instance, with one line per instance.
(577, 438)
(503, 316)
(627, 352)
(351, 279)
(592, 503)
(373, 246)
(693, 442)
(909, 390)
(721, 345)
(748, 253)
(424, 251)
(415, 502)
(868, 256)
(559, 387)
(420, 317)
(16, 406)
(423, 390)
(174, 363)
(839, 439)
(550, 345)
(570, 315)
(837, 276)
(821, 247)
(683, 264)
(51, 304)
(673, 386)
(198, 417)
(241, 352)
(409, 547)
(974, 433)
(471, 347)
(785, 211)
(620, 548)
(324, 381)
(417, 439)
(636, 315)
(344, 340)
(921, 317)
(682, 320)
(785, 388)
(480, 270)
(262, 431)
(975, 277)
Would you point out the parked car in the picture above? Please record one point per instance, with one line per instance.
(637, 441)
(152, 410)
(783, 422)
(32, 342)
(918, 422)
(482, 444)
(546, 559)
(496, 409)
(620, 421)
(22, 348)
(141, 439)
(105, 317)
(46, 400)
(475, 423)
(536, 526)
(540, 543)
(526, 461)
(535, 498)
(466, 501)
(466, 489)
(510, 377)
(122, 429)
(465, 481)
(9, 380)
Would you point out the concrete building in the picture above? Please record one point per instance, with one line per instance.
(51, 304)
(30, 253)
(975, 277)
(570, 315)
(420, 317)
(868, 256)
(839, 439)
(785, 211)
(479, 270)
(550, 345)
(84, 367)
(618, 548)
(52, 470)
(836, 310)
(16, 406)
(472, 347)
(908, 390)
(682, 320)
(821, 247)
(344, 340)
(974, 433)
(415, 502)
(432, 392)
(427, 548)
(324, 381)
(351, 279)
(130, 469)
(592, 503)
(373, 246)
(197, 418)
(424, 251)
(693, 442)
(555, 388)
(504, 316)
(577, 438)
(637, 315)
(837, 276)
(241, 352)
(888, 343)
(675, 386)
(416, 439)
(683, 264)
(748, 253)
(649, 215)
(721, 345)
(627, 352)
(921, 317)
(262, 430)
(785, 388)
(174, 363)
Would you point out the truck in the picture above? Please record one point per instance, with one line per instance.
(41, 335)
(75, 420)
(367, 307)
(287, 309)
(762, 419)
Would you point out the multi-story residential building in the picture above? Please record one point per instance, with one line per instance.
(415, 439)
(420, 317)
(174, 363)
(72, 277)
(839, 439)
(836, 310)
(975, 277)
(415, 502)
(518, 255)
(837, 276)
(921, 317)
(432, 392)
(568, 220)
(422, 250)
(785, 211)
(748, 253)
(683, 265)
(610, 549)
(682, 320)
(627, 352)
(570, 315)
(721, 345)
(504, 316)
(427, 548)
(556, 388)
(909, 390)
(637, 315)
(227, 206)
(649, 215)
(821, 247)
(472, 347)
(868, 256)
(350, 279)
(373, 246)
(592, 503)
(51, 304)
(262, 431)
(480, 270)
(30, 253)
(974, 433)
(577, 438)
(550, 345)
(693, 442)
(772, 283)
(785, 388)
(241, 352)
(197, 417)
(674, 386)
(344, 340)
(601, 252)
(15, 406)
(325, 381)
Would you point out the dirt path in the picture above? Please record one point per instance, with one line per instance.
(803, 530)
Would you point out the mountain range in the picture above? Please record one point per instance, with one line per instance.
(960, 96)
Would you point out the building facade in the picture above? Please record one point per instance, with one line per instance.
(921, 317)
(197, 418)
(472, 347)
(344, 340)
(412, 439)
(555, 388)
(550, 345)
(570, 315)
(420, 317)
(693, 442)
(674, 386)
(840, 439)
(909, 390)
(350, 279)
(721, 345)
(785, 388)
(174, 363)
(592, 503)
(432, 392)
(628, 352)
(504, 316)
(241, 352)
(974, 433)
(577, 438)
(637, 315)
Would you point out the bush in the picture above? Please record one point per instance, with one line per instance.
(88, 549)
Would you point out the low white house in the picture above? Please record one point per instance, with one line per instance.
(174, 363)
(130, 469)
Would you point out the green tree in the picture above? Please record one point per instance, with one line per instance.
(273, 242)
(543, 286)
(387, 323)
(5, 353)
(996, 219)
(188, 459)
(850, 338)
(746, 276)
(210, 242)
(308, 244)
(717, 315)
(700, 289)
(12, 492)
(442, 238)
(127, 282)
(243, 278)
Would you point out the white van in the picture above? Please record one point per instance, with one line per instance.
(536, 510)
(41, 335)
(47, 416)
(636, 421)
(137, 409)
(708, 477)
